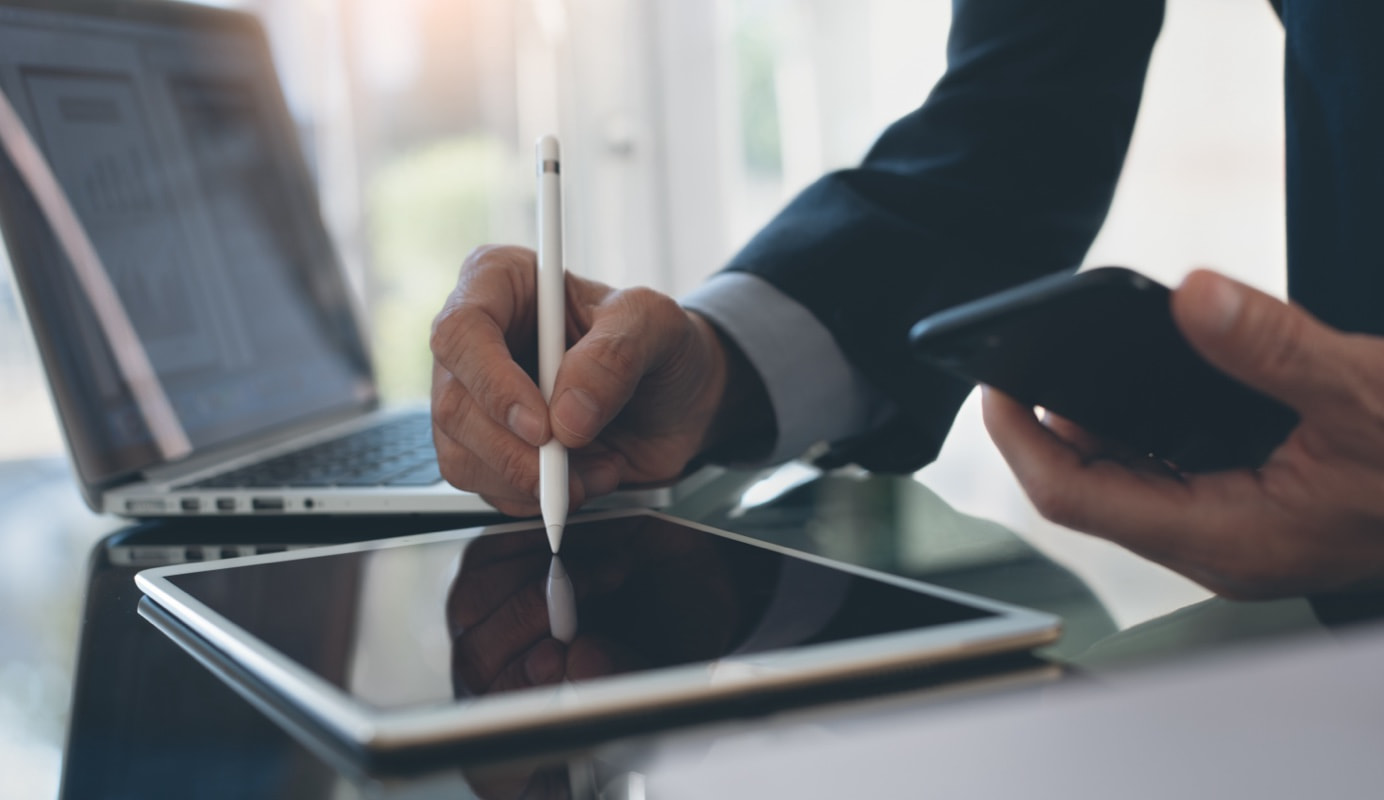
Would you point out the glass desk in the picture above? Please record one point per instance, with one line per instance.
(146, 720)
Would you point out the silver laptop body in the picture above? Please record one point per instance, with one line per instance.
(195, 325)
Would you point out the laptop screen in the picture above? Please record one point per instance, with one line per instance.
(166, 129)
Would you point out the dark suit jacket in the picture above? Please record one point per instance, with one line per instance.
(1007, 170)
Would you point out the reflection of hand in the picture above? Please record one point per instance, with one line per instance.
(642, 599)
(636, 398)
(520, 782)
(1310, 519)
(497, 612)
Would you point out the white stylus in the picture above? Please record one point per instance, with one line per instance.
(552, 333)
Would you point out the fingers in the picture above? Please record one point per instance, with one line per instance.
(491, 308)
(480, 589)
(1092, 447)
(630, 333)
(477, 454)
(511, 648)
(489, 416)
(1088, 444)
(1270, 345)
(508, 479)
(1209, 521)
(543, 664)
(485, 649)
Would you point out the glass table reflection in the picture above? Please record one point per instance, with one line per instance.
(147, 720)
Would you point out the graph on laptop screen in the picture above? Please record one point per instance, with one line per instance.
(172, 143)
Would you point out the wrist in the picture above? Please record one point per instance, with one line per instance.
(742, 428)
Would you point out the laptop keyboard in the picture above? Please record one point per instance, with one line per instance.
(394, 453)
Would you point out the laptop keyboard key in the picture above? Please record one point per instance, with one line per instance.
(398, 449)
(425, 475)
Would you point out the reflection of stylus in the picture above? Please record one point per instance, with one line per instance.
(562, 603)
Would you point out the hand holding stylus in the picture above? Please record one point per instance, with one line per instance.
(645, 387)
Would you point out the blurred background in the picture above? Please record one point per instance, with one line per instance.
(686, 125)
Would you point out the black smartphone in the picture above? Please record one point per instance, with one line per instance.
(1100, 348)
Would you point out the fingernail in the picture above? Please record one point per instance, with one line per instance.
(1223, 301)
(526, 424)
(577, 412)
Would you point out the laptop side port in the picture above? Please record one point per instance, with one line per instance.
(267, 503)
(225, 504)
(190, 504)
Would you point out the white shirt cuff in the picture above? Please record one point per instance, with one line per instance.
(817, 396)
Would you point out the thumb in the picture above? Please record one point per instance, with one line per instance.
(630, 333)
(1265, 343)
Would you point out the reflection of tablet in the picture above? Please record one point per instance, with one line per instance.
(452, 637)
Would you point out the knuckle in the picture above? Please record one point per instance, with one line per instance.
(456, 345)
(616, 353)
(454, 417)
(1278, 346)
(489, 256)
(445, 316)
(477, 257)
(487, 391)
(643, 297)
(656, 309)
(518, 468)
(449, 328)
(448, 401)
(478, 663)
(527, 610)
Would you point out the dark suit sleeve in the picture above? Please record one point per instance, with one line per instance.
(1005, 173)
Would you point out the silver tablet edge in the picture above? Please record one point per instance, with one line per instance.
(1014, 628)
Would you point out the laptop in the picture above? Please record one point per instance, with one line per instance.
(194, 322)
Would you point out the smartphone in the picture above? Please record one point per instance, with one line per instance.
(1100, 348)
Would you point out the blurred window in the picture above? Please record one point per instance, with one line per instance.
(686, 125)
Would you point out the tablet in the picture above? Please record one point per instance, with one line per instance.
(453, 638)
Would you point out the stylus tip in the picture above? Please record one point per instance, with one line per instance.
(555, 536)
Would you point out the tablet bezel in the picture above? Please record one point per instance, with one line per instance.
(386, 731)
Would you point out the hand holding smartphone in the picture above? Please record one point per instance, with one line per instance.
(1101, 348)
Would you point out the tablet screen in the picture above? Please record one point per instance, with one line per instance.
(425, 624)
